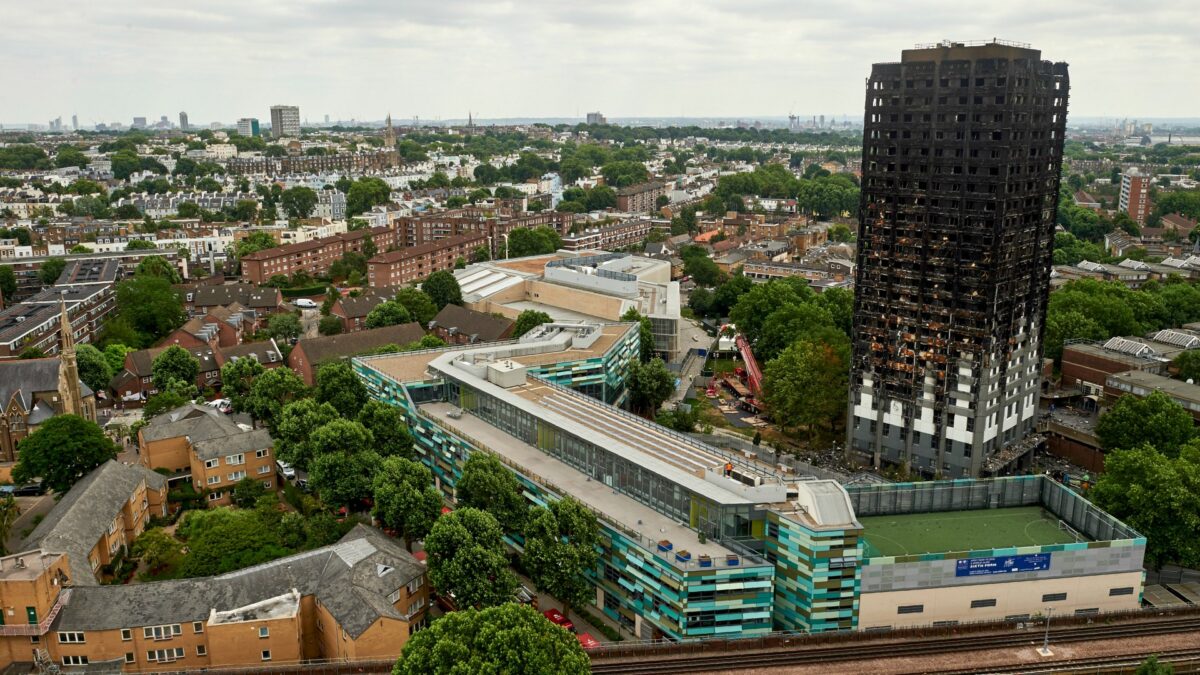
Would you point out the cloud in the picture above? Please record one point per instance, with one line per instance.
(224, 59)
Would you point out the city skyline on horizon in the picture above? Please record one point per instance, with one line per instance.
(223, 61)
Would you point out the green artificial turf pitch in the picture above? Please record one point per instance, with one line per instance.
(945, 531)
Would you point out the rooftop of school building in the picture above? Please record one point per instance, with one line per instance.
(947, 531)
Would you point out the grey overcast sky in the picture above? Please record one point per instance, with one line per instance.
(109, 60)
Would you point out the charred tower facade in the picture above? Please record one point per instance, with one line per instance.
(962, 153)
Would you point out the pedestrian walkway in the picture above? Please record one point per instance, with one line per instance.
(546, 601)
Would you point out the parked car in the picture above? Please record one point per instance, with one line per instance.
(305, 303)
(556, 617)
(222, 404)
(285, 469)
(28, 490)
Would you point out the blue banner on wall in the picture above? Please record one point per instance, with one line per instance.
(1031, 562)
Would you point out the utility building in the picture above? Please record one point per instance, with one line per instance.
(962, 152)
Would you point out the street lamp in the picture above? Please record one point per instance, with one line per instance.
(1045, 648)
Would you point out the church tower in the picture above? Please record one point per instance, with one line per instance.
(389, 136)
(68, 369)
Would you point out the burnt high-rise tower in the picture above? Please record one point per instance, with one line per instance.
(962, 151)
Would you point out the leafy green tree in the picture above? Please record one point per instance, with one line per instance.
(255, 241)
(50, 270)
(650, 384)
(443, 289)
(1152, 666)
(62, 450)
(645, 333)
(1156, 420)
(150, 308)
(405, 499)
(270, 392)
(839, 302)
(140, 245)
(344, 462)
(70, 156)
(1188, 363)
(366, 193)
(297, 420)
(467, 559)
(560, 547)
(601, 197)
(523, 241)
(387, 313)
(188, 210)
(841, 233)
(247, 491)
(173, 394)
(481, 254)
(389, 429)
(157, 549)
(157, 266)
(789, 323)
(1157, 495)
(114, 355)
(237, 377)
(284, 326)
(1069, 325)
(93, 367)
(528, 320)
(418, 303)
(756, 305)
(338, 386)
(223, 540)
(488, 485)
(33, 353)
(806, 386)
(174, 363)
(329, 325)
(331, 296)
(8, 283)
(510, 638)
(298, 202)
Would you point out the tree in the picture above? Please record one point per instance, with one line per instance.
(528, 320)
(1156, 420)
(93, 367)
(481, 254)
(488, 485)
(223, 540)
(418, 303)
(389, 428)
(331, 296)
(645, 333)
(174, 363)
(387, 313)
(703, 270)
(188, 210)
(140, 245)
(560, 548)
(8, 283)
(1069, 325)
(523, 241)
(157, 549)
(789, 323)
(343, 462)
(759, 302)
(329, 325)
(149, 307)
(1151, 666)
(293, 437)
(62, 450)
(9, 512)
(511, 638)
(649, 385)
(114, 355)
(443, 289)
(247, 491)
(405, 499)
(158, 266)
(1188, 363)
(364, 194)
(338, 386)
(467, 559)
(298, 202)
(237, 376)
(841, 233)
(806, 386)
(174, 393)
(1157, 495)
(284, 327)
(270, 391)
(255, 241)
(50, 270)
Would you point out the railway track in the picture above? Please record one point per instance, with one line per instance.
(857, 652)
(1184, 661)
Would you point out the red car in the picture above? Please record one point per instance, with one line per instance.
(587, 641)
(556, 617)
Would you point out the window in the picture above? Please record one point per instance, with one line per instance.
(265, 452)
(70, 638)
(910, 609)
(128, 657)
(1124, 590)
(235, 460)
(236, 476)
(264, 632)
(211, 463)
(417, 605)
(1054, 597)
(164, 655)
(415, 584)
(265, 468)
(201, 650)
(126, 634)
(213, 480)
(197, 626)
(75, 660)
(394, 597)
(989, 602)
(266, 655)
(161, 632)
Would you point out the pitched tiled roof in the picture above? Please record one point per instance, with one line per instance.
(320, 349)
(481, 327)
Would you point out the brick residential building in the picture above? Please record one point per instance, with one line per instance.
(495, 224)
(313, 257)
(461, 326)
(353, 311)
(609, 237)
(1135, 195)
(406, 265)
(640, 198)
(309, 353)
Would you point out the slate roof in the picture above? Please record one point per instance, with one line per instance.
(197, 422)
(77, 521)
(345, 577)
(259, 351)
(143, 359)
(479, 326)
(231, 444)
(25, 377)
(320, 349)
(247, 295)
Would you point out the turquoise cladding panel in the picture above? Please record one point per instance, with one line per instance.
(816, 575)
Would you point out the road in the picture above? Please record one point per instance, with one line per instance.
(31, 508)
